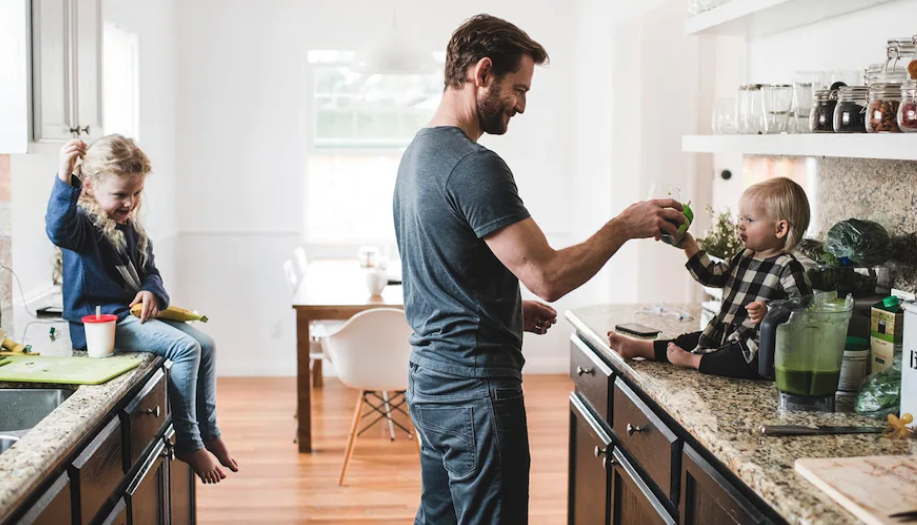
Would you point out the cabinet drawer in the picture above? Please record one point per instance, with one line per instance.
(144, 417)
(97, 472)
(649, 441)
(53, 507)
(708, 497)
(592, 377)
(118, 515)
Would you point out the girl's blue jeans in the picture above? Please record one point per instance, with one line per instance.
(192, 389)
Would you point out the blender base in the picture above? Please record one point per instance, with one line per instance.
(806, 403)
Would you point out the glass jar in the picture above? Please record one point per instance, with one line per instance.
(900, 53)
(882, 114)
(821, 118)
(850, 112)
(907, 110)
(872, 74)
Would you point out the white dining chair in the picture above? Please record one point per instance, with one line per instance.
(371, 353)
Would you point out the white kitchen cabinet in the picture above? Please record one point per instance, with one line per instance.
(66, 69)
(14, 66)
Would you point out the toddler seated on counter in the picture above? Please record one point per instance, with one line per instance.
(773, 216)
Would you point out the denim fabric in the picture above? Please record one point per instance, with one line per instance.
(192, 388)
(475, 456)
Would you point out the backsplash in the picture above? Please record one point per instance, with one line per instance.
(6, 256)
(883, 191)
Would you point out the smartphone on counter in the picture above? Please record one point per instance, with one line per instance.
(637, 329)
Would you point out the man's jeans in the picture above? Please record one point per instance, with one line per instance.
(475, 456)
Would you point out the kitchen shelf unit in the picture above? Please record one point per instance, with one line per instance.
(755, 18)
(896, 146)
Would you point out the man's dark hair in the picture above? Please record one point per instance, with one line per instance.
(488, 36)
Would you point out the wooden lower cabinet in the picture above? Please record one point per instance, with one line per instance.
(181, 495)
(53, 507)
(707, 497)
(588, 482)
(632, 501)
(147, 500)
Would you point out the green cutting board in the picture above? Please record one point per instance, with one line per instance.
(64, 370)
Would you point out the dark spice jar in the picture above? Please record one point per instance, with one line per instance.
(821, 117)
(882, 114)
(850, 112)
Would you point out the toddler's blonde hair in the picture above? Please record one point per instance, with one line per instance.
(118, 156)
(782, 200)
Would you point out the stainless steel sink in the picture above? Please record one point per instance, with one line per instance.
(7, 442)
(23, 408)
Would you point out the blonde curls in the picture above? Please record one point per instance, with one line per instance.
(114, 155)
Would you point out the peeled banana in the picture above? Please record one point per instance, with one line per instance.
(172, 313)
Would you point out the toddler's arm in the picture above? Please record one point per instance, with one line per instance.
(794, 281)
(63, 223)
(704, 271)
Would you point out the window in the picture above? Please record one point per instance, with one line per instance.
(360, 126)
(120, 112)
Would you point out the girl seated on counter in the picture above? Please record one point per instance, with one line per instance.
(773, 216)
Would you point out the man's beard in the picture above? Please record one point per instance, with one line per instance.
(490, 112)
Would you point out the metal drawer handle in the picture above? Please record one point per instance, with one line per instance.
(599, 452)
(79, 130)
(580, 371)
(155, 412)
(631, 429)
(607, 461)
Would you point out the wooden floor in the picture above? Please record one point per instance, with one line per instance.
(279, 486)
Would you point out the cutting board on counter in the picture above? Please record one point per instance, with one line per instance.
(64, 370)
(870, 488)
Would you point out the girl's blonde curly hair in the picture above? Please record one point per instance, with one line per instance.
(112, 155)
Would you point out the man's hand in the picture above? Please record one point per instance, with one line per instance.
(71, 151)
(650, 218)
(537, 317)
(150, 305)
(756, 311)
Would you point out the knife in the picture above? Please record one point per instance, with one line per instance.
(812, 430)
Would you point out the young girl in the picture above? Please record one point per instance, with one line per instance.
(774, 215)
(108, 262)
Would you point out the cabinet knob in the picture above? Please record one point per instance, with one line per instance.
(599, 452)
(77, 130)
(155, 412)
(608, 462)
(580, 371)
(631, 429)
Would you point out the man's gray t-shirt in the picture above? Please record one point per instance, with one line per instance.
(463, 304)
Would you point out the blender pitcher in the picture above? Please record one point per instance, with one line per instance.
(802, 349)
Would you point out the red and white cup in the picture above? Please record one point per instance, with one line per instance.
(100, 334)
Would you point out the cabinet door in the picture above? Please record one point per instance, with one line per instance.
(632, 502)
(590, 446)
(53, 507)
(182, 496)
(146, 495)
(53, 108)
(87, 43)
(14, 63)
(707, 497)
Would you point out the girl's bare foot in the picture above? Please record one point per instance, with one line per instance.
(679, 357)
(203, 465)
(221, 451)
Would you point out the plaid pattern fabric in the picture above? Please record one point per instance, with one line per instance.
(745, 280)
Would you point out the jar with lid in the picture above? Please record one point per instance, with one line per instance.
(850, 112)
(884, 99)
(872, 73)
(821, 117)
(907, 110)
(900, 53)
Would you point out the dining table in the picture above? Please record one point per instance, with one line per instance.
(330, 290)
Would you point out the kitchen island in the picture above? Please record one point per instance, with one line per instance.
(104, 453)
(671, 445)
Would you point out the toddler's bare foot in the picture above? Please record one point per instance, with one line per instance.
(679, 357)
(623, 345)
(203, 465)
(221, 451)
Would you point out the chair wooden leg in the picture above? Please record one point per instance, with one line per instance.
(317, 380)
(353, 435)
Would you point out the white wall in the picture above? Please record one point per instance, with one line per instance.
(33, 173)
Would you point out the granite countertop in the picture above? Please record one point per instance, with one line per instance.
(724, 415)
(39, 452)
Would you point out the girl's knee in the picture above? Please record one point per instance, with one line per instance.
(187, 348)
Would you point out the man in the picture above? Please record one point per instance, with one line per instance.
(466, 241)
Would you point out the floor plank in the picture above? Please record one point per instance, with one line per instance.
(279, 486)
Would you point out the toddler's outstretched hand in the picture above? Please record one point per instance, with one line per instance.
(756, 311)
(71, 151)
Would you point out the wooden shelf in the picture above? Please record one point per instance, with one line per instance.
(754, 18)
(897, 146)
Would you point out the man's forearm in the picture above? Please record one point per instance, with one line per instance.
(571, 267)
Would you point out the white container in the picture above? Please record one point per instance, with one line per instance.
(909, 363)
(376, 280)
(100, 334)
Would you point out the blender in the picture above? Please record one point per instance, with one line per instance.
(802, 349)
